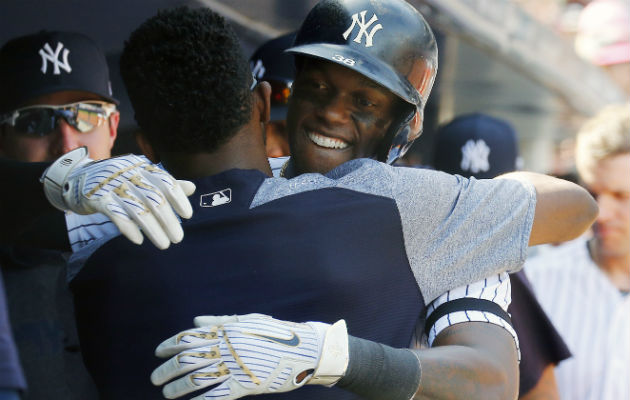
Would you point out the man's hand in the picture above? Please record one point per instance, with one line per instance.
(128, 189)
(251, 354)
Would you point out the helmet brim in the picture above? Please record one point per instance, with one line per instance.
(370, 67)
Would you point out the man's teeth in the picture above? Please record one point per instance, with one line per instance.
(327, 142)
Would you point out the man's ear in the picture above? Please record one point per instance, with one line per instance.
(114, 120)
(146, 148)
(263, 100)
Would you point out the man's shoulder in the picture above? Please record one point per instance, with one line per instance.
(380, 178)
(363, 175)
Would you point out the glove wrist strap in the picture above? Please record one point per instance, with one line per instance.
(54, 177)
(334, 360)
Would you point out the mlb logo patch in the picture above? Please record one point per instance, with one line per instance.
(216, 198)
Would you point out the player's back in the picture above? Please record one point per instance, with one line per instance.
(318, 255)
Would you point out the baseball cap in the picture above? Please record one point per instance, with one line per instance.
(48, 62)
(476, 145)
(603, 35)
(270, 63)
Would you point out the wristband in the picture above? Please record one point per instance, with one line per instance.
(55, 176)
(334, 359)
(377, 371)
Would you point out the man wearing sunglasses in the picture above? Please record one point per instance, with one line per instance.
(56, 96)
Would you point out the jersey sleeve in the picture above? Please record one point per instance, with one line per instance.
(494, 289)
(459, 230)
(85, 229)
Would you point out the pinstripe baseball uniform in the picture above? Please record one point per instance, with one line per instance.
(591, 315)
(359, 243)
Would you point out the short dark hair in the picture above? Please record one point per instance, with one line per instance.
(187, 80)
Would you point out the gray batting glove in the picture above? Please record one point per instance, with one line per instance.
(133, 193)
(251, 354)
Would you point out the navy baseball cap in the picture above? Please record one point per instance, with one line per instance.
(270, 63)
(48, 62)
(476, 145)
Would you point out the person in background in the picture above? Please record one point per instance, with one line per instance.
(583, 285)
(481, 146)
(56, 96)
(271, 64)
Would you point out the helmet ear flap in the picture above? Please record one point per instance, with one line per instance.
(400, 135)
(415, 126)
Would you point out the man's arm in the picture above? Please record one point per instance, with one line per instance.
(564, 210)
(130, 191)
(472, 360)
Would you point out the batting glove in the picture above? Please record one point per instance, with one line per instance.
(251, 354)
(128, 189)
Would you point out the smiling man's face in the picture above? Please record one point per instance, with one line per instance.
(336, 115)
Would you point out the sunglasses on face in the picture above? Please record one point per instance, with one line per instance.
(41, 120)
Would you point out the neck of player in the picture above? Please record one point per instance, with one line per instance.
(242, 151)
(245, 149)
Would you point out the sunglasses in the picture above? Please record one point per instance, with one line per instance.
(41, 120)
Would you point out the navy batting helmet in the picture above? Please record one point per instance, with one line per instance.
(388, 42)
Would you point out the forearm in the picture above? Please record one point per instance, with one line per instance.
(485, 367)
(564, 210)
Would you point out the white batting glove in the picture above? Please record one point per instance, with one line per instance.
(128, 189)
(251, 354)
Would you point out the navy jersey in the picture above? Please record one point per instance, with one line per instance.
(311, 248)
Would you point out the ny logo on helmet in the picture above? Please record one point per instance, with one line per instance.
(48, 54)
(363, 27)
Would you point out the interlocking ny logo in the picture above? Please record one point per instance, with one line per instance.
(48, 54)
(475, 156)
(363, 27)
